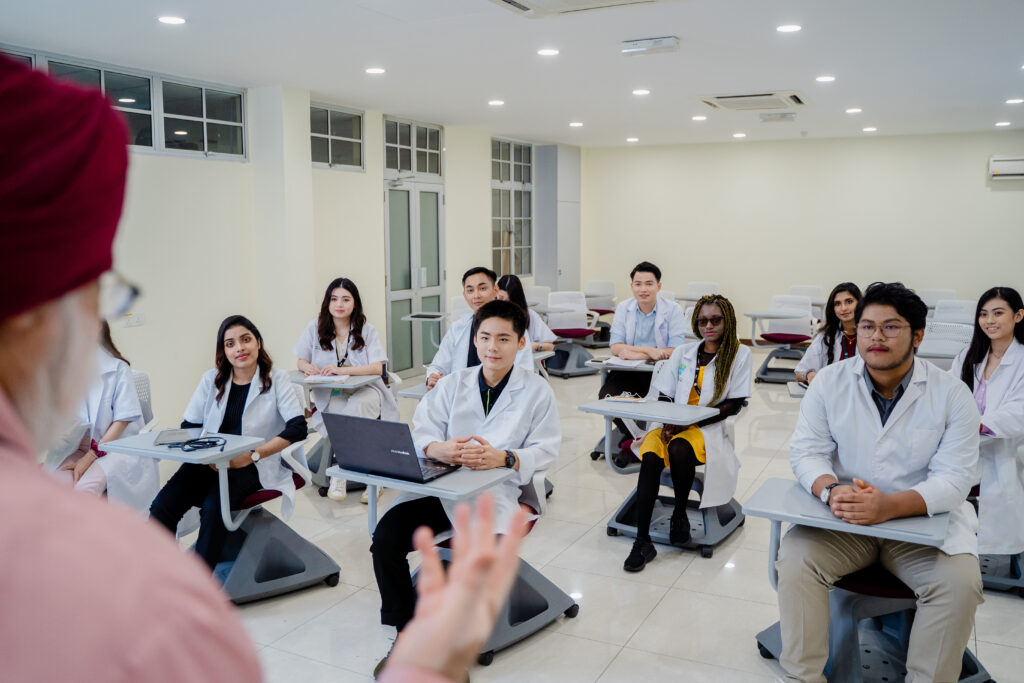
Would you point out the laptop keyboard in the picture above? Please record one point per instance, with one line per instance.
(432, 468)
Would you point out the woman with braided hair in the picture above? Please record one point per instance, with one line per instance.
(684, 378)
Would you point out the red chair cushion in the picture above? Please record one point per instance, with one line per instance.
(574, 332)
(877, 581)
(785, 338)
(264, 495)
(603, 311)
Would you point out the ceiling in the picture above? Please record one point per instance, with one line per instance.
(912, 66)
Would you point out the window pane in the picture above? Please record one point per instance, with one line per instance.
(506, 172)
(318, 120)
(140, 128)
(430, 237)
(401, 336)
(223, 106)
(527, 199)
(526, 239)
(82, 75)
(345, 125)
(495, 148)
(518, 153)
(404, 159)
(506, 208)
(517, 233)
(517, 173)
(182, 134)
(399, 246)
(391, 132)
(495, 233)
(320, 149)
(527, 153)
(506, 151)
(27, 61)
(391, 157)
(506, 234)
(527, 174)
(223, 138)
(128, 91)
(524, 265)
(495, 202)
(506, 261)
(421, 162)
(185, 100)
(404, 134)
(496, 261)
(346, 152)
(434, 162)
(517, 203)
(421, 137)
(434, 139)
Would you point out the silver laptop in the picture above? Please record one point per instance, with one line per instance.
(379, 447)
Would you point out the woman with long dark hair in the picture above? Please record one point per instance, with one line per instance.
(992, 367)
(837, 338)
(341, 342)
(510, 288)
(243, 394)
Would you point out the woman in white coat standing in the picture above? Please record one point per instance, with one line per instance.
(510, 288)
(242, 394)
(340, 342)
(837, 338)
(712, 372)
(992, 367)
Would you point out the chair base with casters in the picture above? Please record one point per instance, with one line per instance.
(617, 438)
(601, 339)
(778, 374)
(570, 360)
(708, 527)
(1003, 573)
(320, 458)
(871, 613)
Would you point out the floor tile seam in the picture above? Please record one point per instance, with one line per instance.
(691, 661)
(313, 659)
(316, 616)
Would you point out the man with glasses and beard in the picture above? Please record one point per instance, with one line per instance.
(880, 436)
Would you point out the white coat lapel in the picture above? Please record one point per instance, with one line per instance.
(471, 385)
(255, 387)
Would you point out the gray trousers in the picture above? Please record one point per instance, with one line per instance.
(948, 589)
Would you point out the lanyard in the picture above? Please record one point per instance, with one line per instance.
(337, 354)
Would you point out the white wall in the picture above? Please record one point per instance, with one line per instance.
(758, 217)
(467, 203)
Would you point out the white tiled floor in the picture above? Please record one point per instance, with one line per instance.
(683, 618)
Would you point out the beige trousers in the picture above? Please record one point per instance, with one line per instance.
(948, 590)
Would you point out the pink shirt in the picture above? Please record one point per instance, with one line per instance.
(89, 592)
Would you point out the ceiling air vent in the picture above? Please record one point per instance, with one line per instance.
(771, 100)
(549, 8)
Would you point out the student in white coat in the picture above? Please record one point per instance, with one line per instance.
(112, 409)
(510, 288)
(494, 415)
(883, 436)
(837, 338)
(992, 367)
(341, 342)
(457, 351)
(242, 394)
(684, 378)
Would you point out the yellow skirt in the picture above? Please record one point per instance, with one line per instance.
(652, 443)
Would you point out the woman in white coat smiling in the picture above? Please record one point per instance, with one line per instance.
(992, 367)
(837, 338)
(340, 342)
(242, 394)
(712, 372)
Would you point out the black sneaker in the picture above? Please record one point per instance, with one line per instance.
(679, 531)
(643, 552)
(624, 458)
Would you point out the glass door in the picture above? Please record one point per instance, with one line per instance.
(414, 214)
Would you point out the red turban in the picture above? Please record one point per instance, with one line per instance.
(63, 159)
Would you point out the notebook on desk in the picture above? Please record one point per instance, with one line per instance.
(379, 447)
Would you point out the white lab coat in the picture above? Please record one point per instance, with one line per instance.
(675, 379)
(816, 355)
(538, 329)
(264, 417)
(524, 419)
(454, 349)
(308, 349)
(670, 323)
(1001, 504)
(928, 444)
(131, 480)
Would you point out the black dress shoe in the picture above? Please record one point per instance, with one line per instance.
(643, 552)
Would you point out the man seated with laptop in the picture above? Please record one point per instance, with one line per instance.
(497, 414)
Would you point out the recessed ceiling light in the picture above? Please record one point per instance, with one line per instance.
(739, 135)
(632, 139)
(126, 100)
(1015, 100)
(376, 70)
(825, 79)
(547, 52)
(181, 132)
(641, 91)
(1003, 123)
(788, 28)
(854, 110)
(698, 118)
(576, 124)
(173, 21)
(496, 103)
(869, 129)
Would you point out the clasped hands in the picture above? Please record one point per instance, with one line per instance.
(860, 504)
(473, 452)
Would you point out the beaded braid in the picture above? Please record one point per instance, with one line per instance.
(730, 343)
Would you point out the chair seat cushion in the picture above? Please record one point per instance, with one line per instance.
(877, 581)
(264, 495)
(784, 338)
(574, 332)
(603, 311)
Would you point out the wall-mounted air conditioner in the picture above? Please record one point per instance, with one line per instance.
(1005, 168)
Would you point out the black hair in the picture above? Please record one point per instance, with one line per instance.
(505, 310)
(980, 343)
(831, 327)
(513, 286)
(325, 321)
(491, 275)
(222, 363)
(646, 267)
(895, 294)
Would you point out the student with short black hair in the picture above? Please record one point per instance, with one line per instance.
(837, 338)
(457, 350)
(510, 288)
(496, 414)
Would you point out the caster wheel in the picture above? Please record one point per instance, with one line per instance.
(765, 652)
(612, 531)
(572, 612)
(322, 491)
(757, 380)
(742, 522)
(706, 551)
(485, 658)
(333, 579)
(596, 455)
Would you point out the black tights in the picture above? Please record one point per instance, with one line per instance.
(683, 462)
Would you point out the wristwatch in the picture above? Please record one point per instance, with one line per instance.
(255, 455)
(827, 492)
(510, 459)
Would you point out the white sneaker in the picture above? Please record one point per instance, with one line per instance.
(365, 498)
(337, 490)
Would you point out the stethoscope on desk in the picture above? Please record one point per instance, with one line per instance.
(201, 444)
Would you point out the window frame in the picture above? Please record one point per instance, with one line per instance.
(512, 186)
(351, 168)
(414, 175)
